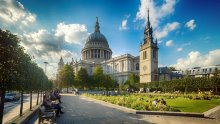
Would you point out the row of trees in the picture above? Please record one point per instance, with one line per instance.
(83, 80)
(133, 82)
(18, 72)
(187, 84)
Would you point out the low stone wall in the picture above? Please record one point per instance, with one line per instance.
(27, 115)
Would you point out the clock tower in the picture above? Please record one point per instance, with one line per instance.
(148, 56)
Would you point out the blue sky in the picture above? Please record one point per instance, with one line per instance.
(188, 31)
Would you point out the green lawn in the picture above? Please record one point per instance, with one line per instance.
(189, 105)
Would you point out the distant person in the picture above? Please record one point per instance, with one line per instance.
(77, 92)
(155, 102)
(163, 102)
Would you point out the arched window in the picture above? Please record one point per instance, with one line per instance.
(137, 66)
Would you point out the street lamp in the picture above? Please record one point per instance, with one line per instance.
(45, 67)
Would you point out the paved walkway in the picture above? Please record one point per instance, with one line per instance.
(79, 110)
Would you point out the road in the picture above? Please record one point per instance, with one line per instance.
(12, 109)
(79, 110)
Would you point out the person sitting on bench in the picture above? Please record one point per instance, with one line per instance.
(48, 104)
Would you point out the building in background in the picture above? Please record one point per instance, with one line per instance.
(206, 71)
(165, 73)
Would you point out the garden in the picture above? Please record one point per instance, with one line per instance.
(177, 102)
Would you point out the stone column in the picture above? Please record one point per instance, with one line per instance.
(82, 55)
(85, 54)
(100, 53)
(93, 53)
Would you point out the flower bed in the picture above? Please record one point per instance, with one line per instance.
(175, 102)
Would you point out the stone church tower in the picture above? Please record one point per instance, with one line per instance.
(148, 56)
(60, 64)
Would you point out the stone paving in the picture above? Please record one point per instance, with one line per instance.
(79, 110)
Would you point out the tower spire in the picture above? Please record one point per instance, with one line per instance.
(97, 25)
(148, 20)
(61, 59)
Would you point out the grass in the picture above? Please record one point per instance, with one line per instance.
(189, 105)
(143, 102)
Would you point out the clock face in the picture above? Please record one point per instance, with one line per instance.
(144, 67)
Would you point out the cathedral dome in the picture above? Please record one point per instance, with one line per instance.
(96, 39)
(96, 47)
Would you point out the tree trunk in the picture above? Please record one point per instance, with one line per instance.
(185, 89)
(21, 107)
(216, 89)
(37, 97)
(41, 96)
(2, 106)
(67, 90)
(30, 100)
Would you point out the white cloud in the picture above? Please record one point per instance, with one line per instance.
(191, 24)
(195, 59)
(179, 49)
(13, 14)
(159, 34)
(124, 23)
(47, 45)
(157, 12)
(72, 33)
(169, 43)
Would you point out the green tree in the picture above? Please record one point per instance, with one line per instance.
(98, 76)
(82, 78)
(132, 82)
(172, 69)
(215, 80)
(9, 50)
(108, 82)
(67, 76)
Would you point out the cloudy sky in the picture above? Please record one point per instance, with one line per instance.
(188, 32)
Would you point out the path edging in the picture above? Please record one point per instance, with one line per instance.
(213, 113)
(167, 113)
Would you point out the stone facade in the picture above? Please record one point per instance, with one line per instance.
(148, 56)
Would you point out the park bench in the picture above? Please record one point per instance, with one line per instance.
(47, 114)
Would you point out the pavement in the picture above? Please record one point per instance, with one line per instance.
(79, 110)
(12, 109)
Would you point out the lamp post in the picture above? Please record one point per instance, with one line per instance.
(45, 69)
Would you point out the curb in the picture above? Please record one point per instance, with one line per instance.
(213, 113)
(27, 115)
(168, 113)
(165, 113)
